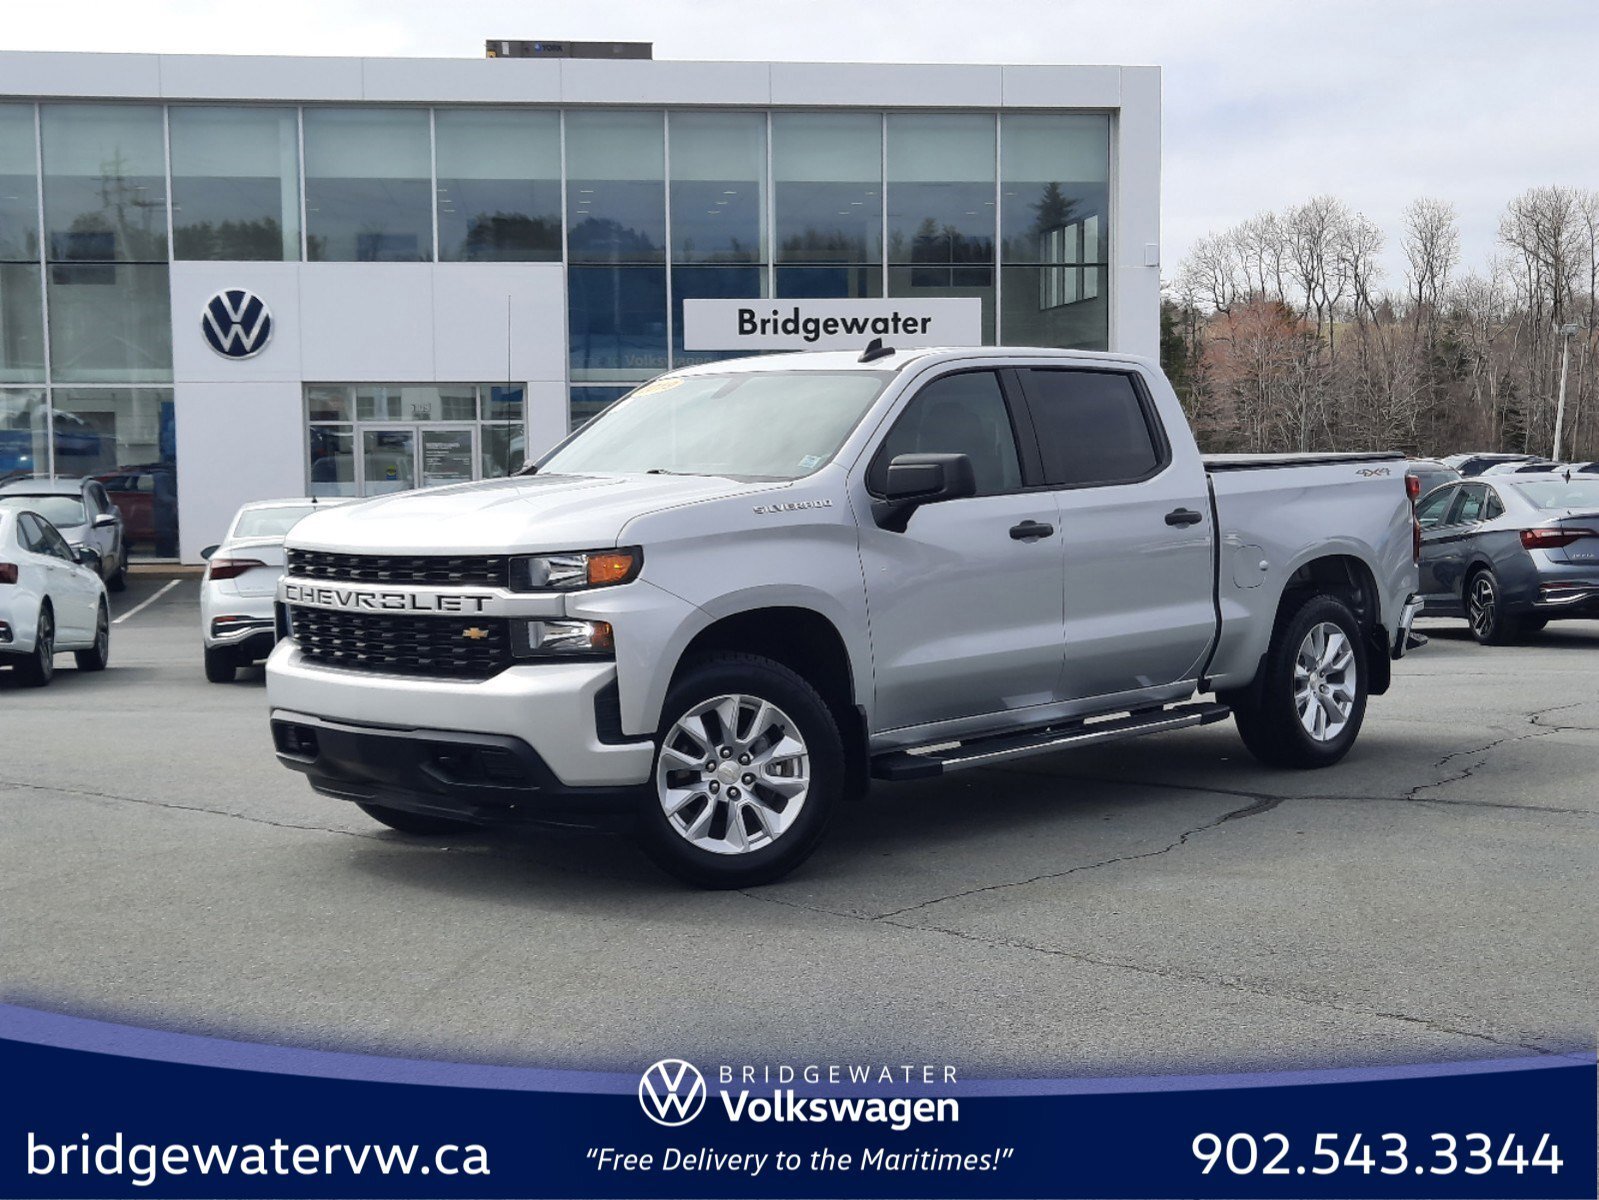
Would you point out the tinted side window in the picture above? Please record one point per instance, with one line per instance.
(958, 414)
(1430, 513)
(1092, 427)
(1468, 509)
(1494, 508)
(29, 533)
(55, 544)
(101, 501)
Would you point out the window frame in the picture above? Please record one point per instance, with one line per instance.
(1156, 428)
(1453, 488)
(876, 475)
(1454, 519)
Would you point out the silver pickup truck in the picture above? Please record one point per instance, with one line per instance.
(723, 607)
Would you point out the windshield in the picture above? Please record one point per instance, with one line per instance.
(1579, 493)
(270, 522)
(61, 511)
(756, 424)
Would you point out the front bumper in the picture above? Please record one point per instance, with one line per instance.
(553, 708)
(486, 779)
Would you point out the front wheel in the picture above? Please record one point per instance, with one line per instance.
(749, 767)
(220, 664)
(1307, 708)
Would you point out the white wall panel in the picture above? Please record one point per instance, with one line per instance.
(367, 321)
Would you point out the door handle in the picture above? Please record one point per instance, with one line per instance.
(1029, 531)
(1184, 516)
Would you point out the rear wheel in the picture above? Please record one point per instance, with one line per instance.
(220, 664)
(97, 655)
(1491, 625)
(749, 767)
(39, 668)
(1306, 709)
(410, 822)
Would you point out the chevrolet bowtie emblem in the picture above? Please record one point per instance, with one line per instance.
(475, 633)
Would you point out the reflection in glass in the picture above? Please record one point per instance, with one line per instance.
(388, 461)
(615, 197)
(21, 323)
(332, 461)
(503, 449)
(1056, 171)
(940, 281)
(710, 283)
(19, 175)
(718, 187)
(105, 191)
(940, 188)
(616, 322)
(1032, 317)
(499, 185)
(503, 402)
(127, 438)
(827, 187)
(110, 323)
(367, 178)
(235, 183)
(415, 402)
(590, 402)
(23, 450)
(328, 402)
(829, 283)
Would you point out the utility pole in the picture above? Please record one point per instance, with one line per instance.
(1565, 332)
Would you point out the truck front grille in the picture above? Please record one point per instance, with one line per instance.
(442, 647)
(472, 570)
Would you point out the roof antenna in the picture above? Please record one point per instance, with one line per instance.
(875, 350)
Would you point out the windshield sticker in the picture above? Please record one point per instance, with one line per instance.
(658, 385)
(810, 462)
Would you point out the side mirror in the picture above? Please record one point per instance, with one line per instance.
(210, 550)
(86, 556)
(105, 520)
(917, 479)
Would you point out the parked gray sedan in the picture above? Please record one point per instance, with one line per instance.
(1511, 553)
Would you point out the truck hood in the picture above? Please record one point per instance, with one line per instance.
(525, 513)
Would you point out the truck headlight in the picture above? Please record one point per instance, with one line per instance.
(544, 639)
(571, 572)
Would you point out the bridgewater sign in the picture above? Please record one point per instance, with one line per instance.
(756, 325)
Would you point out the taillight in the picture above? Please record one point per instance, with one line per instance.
(1553, 539)
(231, 568)
(8, 572)
(1413, 487)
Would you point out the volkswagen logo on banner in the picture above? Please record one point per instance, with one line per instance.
(236, 323)
(672, 1092)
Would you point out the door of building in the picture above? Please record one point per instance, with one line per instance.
(396, 458)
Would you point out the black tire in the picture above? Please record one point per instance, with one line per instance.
(119, 578)
(752, 804)
(220, 664)
(1484, 601)
(96, 656)
(1268, 713)
(414, 823)
(39, 668)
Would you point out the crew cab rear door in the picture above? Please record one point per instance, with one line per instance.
(1136, 528)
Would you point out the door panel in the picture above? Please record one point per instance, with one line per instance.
(1136, 532)
(965, 615)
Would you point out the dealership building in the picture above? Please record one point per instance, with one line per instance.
(234, 278)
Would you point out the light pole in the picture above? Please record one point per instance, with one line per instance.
(1565, 332)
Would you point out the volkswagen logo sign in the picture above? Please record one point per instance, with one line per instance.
(672, 1092)
(236, 323)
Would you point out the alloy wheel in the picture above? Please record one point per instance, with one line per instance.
(733, 774)
(1482, 605)
(1325, 678)
(45, 646)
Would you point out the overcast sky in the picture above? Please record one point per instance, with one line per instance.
(1267, 102)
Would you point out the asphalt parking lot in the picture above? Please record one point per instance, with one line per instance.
(1165, 904)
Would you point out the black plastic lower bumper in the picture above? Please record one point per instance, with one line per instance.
(487, 779)
(253, 648)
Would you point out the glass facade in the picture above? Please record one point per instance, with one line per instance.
(646, 208)
(366, 439)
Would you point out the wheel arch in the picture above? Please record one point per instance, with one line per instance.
(1351, 579)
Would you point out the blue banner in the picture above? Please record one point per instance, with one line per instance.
(95, 1109)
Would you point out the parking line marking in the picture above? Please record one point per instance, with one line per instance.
(139, 608)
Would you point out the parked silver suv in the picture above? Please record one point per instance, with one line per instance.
(84, 515)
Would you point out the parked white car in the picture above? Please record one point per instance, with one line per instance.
(49, 602)
(241, 582)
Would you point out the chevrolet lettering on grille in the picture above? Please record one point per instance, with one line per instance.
(368, 600)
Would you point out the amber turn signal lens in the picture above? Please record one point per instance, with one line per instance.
(602, 638)
(609, 568)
